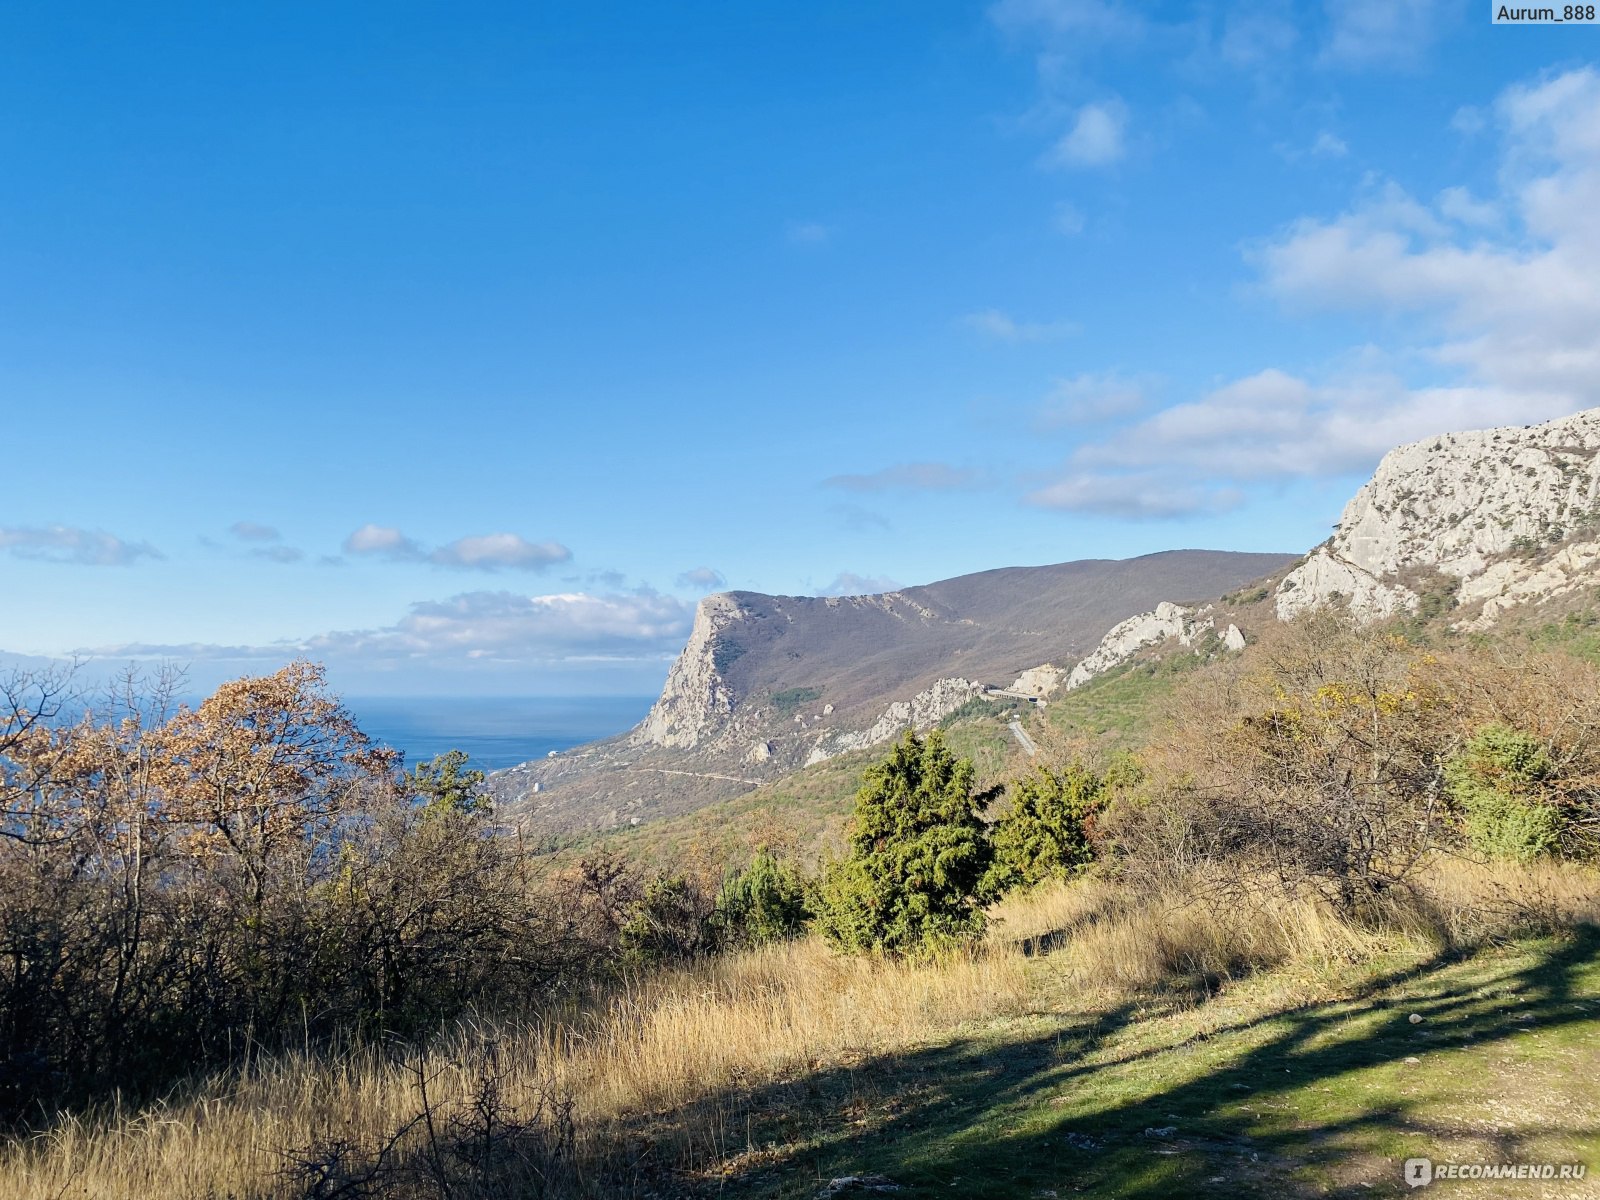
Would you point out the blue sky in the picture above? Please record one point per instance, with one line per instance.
(465, 346)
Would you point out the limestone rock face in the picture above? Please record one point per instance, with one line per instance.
(1325, 577)
(1471, 505)
(1166, 620)
(922, 711)
(696, 702)
(1039, 681)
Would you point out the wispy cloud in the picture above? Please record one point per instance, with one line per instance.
(482, 627)
(704, 579)
(920, 476)
(848, 583)
(1498, 295)
(486, 552)
(1068, 220)
(265, 542)
(1141, 496)
(997, 326)
(494, 551)
(1381, 33)
(68, 544)
(1091, 397)
(857, 519)
(250, 531)
(1097, 137)
(1088, 24)
(278, 554)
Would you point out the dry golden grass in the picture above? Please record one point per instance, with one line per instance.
(665, 1059)
(656, 1056)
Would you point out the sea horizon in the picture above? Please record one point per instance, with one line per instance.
(495, 731)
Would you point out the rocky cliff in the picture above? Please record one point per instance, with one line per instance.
(1475, 523)
(768, 684)
(1504, 515)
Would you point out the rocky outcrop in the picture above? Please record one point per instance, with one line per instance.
(1166, 621)
(1477, 507)
(922, 711)
(1326, 578)
(1038, 681)
(696, 702)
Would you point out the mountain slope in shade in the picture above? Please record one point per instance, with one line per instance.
(767, 684)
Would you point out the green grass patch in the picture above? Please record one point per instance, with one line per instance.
(1259, 1092)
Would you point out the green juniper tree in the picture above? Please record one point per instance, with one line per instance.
(1500, 780)
(1046, 832)
(762, 902)
(918, 854)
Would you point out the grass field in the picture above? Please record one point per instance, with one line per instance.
(1095, 1044)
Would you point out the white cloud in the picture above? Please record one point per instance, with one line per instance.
(997, 326)
(491, 552)
(1364, 33)
(1273, 425)
(848, 583)
(1136, 496)
(383, 541)
(921, 476)
(1460, 205)
(705, 579)
(484, 552)
(1096, 138)
(67, 544)
(1515, 313)
(479, 628)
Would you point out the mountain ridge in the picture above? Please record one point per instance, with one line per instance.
(768, 684)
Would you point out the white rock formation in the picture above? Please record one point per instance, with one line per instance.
(1126, 639)
(1469, 505)
(696, 701)
(922, 711)
(1233, 639)
(1038, 681)
(1324, 577)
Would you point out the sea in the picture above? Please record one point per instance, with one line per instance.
(495, 731)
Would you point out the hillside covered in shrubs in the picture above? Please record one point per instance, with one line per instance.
(210, 905)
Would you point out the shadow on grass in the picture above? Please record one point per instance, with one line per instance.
(1030, 1118)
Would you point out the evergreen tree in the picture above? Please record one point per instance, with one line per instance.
(763, 902)
(918, 853)
(1046, 833)
(444, 785)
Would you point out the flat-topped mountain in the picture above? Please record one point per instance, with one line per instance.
(768, 684)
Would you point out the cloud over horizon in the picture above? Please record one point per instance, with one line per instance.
(503, 627)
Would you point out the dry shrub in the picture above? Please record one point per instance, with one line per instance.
(1319, 758)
